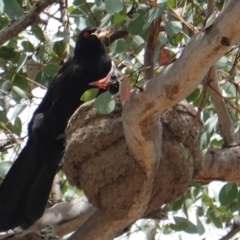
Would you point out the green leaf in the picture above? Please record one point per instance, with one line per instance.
(12, 8)
(119, 46)
(228, 193)
(173, 27)
(7, 86)
(21, 82)
(207, 200)
(43, 79)
(50, 69)
(17, 127)
(238, 198)
(153, 13)
(37, 31)
(216, 220)
(179, 227)
(21, 61)
(17, 110)
(176, 39)
(4, 120)
(211, 20)
(27, 46)
(4, 167)
(193, 96)
(118, 18)
(177, 204)
(19, 92)
(113, 6)
(1, 7)
(190, 227)
(105, 103)
(106, 20)
(59, 48)
(89, 94)
(200, 227)
(6, 52)
(135, 26)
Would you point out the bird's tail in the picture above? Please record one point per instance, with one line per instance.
(25, 190)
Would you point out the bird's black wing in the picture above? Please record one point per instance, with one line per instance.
(25, 189)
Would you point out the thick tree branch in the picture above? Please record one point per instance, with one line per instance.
(218, 164)
(24, 21)
(64, 217)
(140, 114)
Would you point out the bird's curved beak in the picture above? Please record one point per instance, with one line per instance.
(102, 83)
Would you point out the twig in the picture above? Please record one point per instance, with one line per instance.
(150, 47)
(225, 120)
(89, 9)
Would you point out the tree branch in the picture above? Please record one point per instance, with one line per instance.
(24, 21)
(225, 121)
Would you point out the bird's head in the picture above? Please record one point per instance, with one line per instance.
(89, 42)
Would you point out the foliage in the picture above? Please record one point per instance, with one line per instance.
(43, 50)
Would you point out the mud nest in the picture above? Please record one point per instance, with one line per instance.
(97, 159)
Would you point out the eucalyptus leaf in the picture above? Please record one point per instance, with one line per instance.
(228, 193)
(12, 8)
(105, 103)
(7, 86)
(189, 226)
(200, 227)
(89, 94)
(22, 60)
(50, 69)
(5, 166)
(20, 92)
(173, 27)
(113, 6)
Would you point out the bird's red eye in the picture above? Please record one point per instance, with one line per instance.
(86, 34)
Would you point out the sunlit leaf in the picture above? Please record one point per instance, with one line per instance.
(211, 20)
(4, 167)
(17, 110)
(89, 94)
(200, 227)
(20, 92)
(21, 61)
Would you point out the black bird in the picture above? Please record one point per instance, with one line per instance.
(25, 189)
